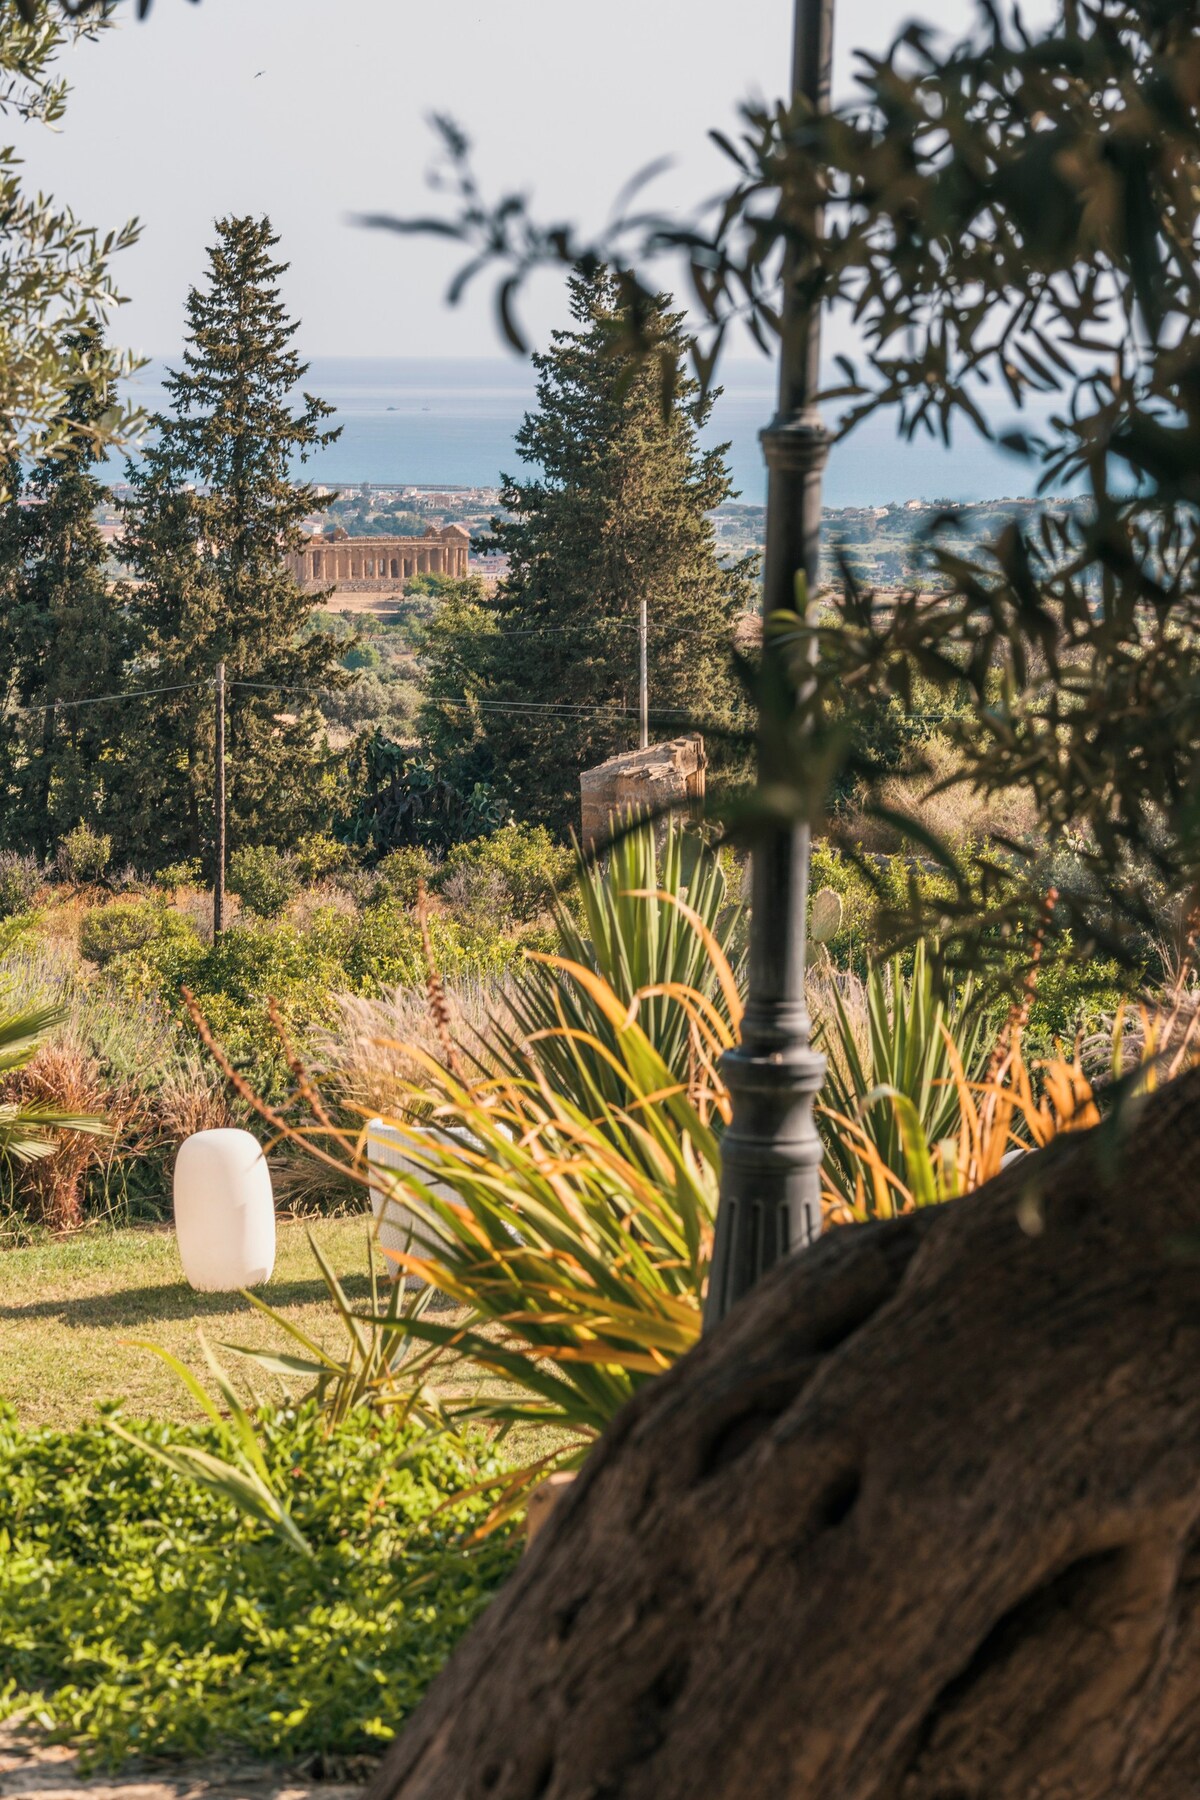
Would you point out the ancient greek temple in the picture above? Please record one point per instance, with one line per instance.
(379, 565)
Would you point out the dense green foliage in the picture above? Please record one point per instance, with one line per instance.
(1069, 996)
(58, 283)
(127, 926)
(20, 879)
(617, 518)
(83, 855)
(916, 1040)
(263, 878)
(1012, 219)
(140, 1613)
(64, 637)
(213, 507)
(403, 799)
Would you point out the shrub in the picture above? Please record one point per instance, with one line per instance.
(63, 1078)
(184, 874)
(127, 925)
(640, 945)
(577, 1230)
(142, 1613)
(83, 855)
(33, 1120)
(20, 879)
(156, 1085)
(402, 872)
(384, 949)
(894, 1047)
(263, 879)
(361, 656)
(584, 1172)
(1071, 997)
(519, 868)
(317, 855)
(234, 978)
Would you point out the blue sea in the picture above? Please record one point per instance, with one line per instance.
(450, 422)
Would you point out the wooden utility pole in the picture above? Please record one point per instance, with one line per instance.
(219, 807)
(643, 677)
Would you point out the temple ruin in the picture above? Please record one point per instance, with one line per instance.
(361, 569)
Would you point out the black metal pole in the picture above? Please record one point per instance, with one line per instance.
(771, 1156)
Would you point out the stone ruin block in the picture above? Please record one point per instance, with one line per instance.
(663, 778)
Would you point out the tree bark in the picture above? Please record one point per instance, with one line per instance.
(919, 1521)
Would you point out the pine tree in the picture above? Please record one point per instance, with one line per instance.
(618, 511)
(64, 627)
(214, 510)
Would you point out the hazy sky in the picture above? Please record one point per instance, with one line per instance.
(315, 110)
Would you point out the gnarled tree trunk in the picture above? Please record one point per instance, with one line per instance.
(921, 1521)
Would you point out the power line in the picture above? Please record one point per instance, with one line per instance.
(568, 630)
(591, 624)
(541, 711)
(178, 687)
(525, 708)
(528, 708)
(279, 687)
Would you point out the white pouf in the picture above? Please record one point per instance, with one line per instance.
(224, 1211)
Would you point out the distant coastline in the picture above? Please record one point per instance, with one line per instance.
(442, 422)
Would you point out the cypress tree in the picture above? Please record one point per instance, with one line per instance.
(618, 510)
(213, 512)
(66, 631)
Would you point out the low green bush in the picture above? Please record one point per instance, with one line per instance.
(384, 949)
(516, 871)
(140, 1612)
(184, 874)
(250, 964)
(319, 854)
(130, 925)
(402, 871)
(264, 879)
(83, 855)
(1072, 997)
(20, 879)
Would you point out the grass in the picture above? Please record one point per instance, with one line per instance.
(66, 1305)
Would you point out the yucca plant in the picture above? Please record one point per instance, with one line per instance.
(579, 1233)
(570, 1220)
(369, 1369)
(895, 1046)
(657, 926)
(1016, 1107)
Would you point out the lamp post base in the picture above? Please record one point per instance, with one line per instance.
(771, 1169)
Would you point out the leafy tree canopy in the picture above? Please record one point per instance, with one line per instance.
(1010, 219)
(614, 520)
(58, 286)
(214, 507)
(65, 632)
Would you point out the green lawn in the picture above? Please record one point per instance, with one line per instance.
(68, 1308)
